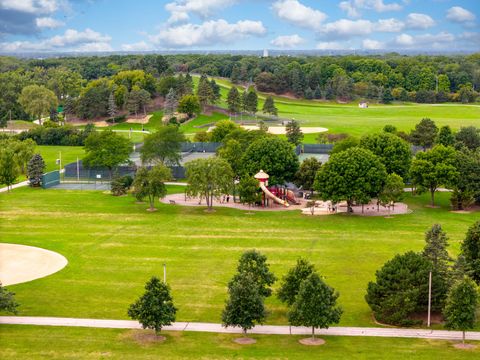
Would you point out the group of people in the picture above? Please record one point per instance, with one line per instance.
(225, 199)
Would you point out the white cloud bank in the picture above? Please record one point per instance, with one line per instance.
(298, 14)
(287, 41)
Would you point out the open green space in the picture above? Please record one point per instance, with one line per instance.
(349, 118)
(36, 342)
(117, 245)
(50, 155)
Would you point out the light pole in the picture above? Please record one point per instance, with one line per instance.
(429, 297)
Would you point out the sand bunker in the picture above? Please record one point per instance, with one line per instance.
(20, 263)
(280, 130)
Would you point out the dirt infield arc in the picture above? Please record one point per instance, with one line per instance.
(20, 263)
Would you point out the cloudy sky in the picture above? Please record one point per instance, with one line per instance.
(110, 25)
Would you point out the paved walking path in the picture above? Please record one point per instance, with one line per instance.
(261, 329)
(20, 184)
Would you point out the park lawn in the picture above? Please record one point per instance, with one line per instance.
(192, 126)
(349, 118)
(51, 153)
(43, 342)
(117, 246)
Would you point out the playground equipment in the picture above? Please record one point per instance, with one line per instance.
(262, 177)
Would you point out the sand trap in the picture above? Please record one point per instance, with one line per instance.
(280, 130)
(20, 263)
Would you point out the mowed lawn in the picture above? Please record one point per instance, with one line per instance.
(32, 342)
(114, 246)
(68, 154)
(349, 118)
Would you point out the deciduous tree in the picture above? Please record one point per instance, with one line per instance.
(163, 146)
(424, 134)
(293, 279)
(37, 101)
(471, 251)
(151, 183)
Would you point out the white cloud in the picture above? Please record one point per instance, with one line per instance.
(419, 21)
(138, 46)
(436, 41)
(180, 9)
(460, 15)
(49, 23)
(71, 40)
(31, 6)
(287, 41)
(389, 25)
(298, 14)
(330, 45)
(344, 28)
(354, 7)
(208, 33)
(370, 44)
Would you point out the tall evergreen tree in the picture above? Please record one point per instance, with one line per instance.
(234, 100)
(251, 101)
(35, 169)
(294, 132)
(171, 102)
(445, 136)
(269, 106)
(112, 107)
(205, 93)
(424, 134)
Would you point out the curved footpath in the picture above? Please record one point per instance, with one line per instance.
(260, 329)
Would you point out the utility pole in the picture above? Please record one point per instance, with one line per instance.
(429, 297)
(78, 170)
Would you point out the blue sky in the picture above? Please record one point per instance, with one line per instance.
(113, 25)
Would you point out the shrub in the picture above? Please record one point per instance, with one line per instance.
(120, 185)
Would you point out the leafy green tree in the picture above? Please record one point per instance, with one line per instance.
(424, 134)
(269, 106)
(234, 101)
(121, 96)
(344, 144)
(229, 151)
(445, 136)
(248, 190)
(467, 187)
(245, 305)
(255, 264)
(461, 307)
(294, 132)
(37, 101)
(106, 149)
(443, 84)
(354, 175)
(293, 279)
(93, 100)
(189, 105)
(155, 308)
(315, 305)
(392, 151)
(7, 300)
(163, 146)
(251, 101)
(305, 176)
(392, 191)
(400, 289)
(469, 136)
(222, 129)
(24, 151)
(35, 169)
(387, 97)
(273, 155)
(390, 129)
(137, 100)
(434, 168)
(470, 250)
(151, 183)
(202, 136)
(208, 178)
(9, 169)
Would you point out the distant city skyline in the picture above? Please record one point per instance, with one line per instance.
(32, 26)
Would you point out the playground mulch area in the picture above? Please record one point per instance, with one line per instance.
(180, 199)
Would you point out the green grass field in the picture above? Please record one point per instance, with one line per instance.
(50, 155)
(349, 118)
(32, 342)
(117, 246)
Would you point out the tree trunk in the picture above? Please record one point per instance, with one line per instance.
(463, 337)
(245, 332)
(432, 194)
(313, 333)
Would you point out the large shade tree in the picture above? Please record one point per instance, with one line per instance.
(150, 183)
(163, 146)
(291, 282)
(208, 178)
(355, 175)
(37, 101)
(255, 263)
(471, 251)
(305, 176)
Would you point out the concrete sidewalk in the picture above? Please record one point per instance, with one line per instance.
(260, 329)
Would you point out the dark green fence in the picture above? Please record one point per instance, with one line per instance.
(50, 179)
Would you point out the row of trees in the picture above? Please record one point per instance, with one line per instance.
(401, 287)
(310, 300)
